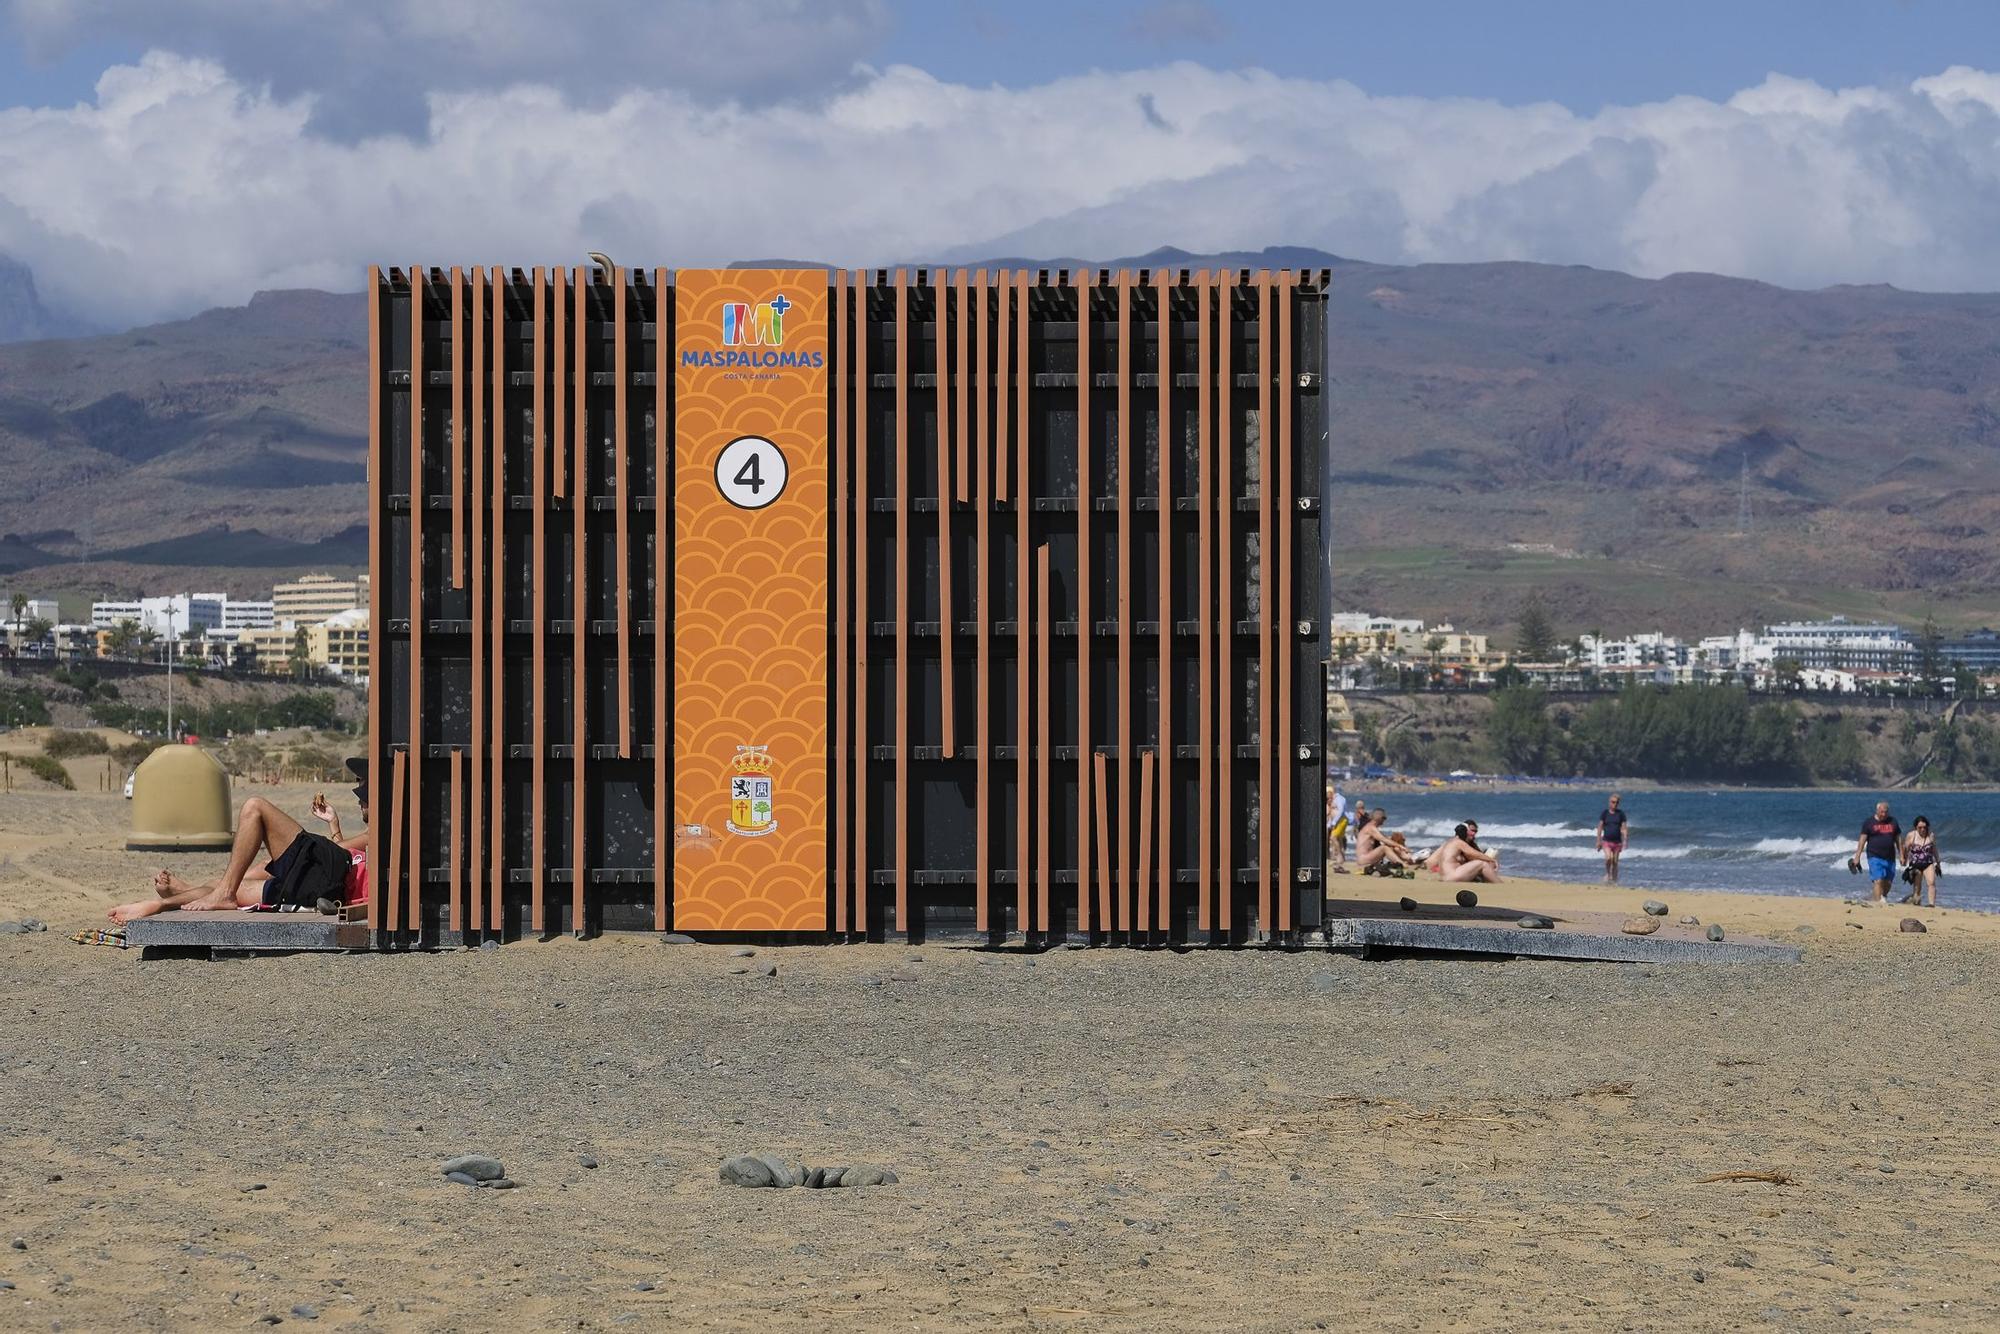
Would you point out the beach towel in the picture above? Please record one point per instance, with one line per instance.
(102, 935)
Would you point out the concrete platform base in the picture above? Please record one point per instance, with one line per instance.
(1370, 926)
(258, 932)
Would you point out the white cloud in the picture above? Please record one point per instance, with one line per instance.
(182, 186)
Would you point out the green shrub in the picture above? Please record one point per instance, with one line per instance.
(46, 769)
(130, 755)
(316, 765)
(20, 707)
(61, 745)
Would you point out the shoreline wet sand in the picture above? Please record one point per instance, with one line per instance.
(1085, 1139)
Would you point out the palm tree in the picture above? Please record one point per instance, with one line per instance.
(20, 611)
(301, 663)
(123, 637)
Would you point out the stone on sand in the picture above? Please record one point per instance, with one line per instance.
(1654, 908)
(1640, 926)
(475, 1165)
(1912, 924)
(1534, 922)
(1467, 899)
(1715, 931)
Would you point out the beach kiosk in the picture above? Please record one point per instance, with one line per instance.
(180, 803)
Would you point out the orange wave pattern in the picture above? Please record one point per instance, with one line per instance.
(750, 612)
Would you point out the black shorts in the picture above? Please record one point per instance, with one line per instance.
(312, 868)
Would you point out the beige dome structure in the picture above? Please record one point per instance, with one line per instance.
(180, 802)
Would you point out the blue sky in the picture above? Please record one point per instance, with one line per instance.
(158, 157)
(1584, 54)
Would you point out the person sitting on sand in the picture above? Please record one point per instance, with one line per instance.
(1377, 851)
(305, 869)
(1461, 859)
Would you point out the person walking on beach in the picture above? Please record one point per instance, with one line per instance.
(1922, 863)
(1611, 830)
(1880, 842)
(1336, 829)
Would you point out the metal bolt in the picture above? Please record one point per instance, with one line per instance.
(1305, 875)
(1305, 627)
(1305, 380)
(1305, 502)
(1305, 752)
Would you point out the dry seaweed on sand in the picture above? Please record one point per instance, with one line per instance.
(1771, 1175)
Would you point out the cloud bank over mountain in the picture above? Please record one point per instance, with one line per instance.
(188, 182)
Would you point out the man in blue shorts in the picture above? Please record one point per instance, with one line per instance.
(1880, 842)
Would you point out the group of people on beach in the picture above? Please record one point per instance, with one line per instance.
(1377, 851)
(1883, 845)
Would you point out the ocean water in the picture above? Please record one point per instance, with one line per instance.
(1756, 842)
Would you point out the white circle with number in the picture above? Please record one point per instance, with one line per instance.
(750, 472)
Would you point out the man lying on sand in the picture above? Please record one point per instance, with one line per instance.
(305, 870)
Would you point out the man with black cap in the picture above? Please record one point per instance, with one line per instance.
(305, 870)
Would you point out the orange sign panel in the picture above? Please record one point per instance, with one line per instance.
(751, 480)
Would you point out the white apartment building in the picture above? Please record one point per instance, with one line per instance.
(38, 609)
(1652, 649)
(179, 615)
(1840, 644)
(238, 614)
(1366, 623)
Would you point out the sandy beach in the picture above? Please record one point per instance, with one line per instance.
(1085, 1139)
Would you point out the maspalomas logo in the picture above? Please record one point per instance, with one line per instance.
(753, 337)
(750, 810)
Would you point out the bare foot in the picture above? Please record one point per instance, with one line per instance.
(166, 884)
(132, 912)
(212, 903)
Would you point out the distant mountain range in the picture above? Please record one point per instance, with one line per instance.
(1690, 452)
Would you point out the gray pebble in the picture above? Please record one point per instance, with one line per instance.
(1690, 919)
(1532, 922)
(13, 929)
(1040, 1144)
(742, 952)
(269, 1320)
(306, 1311)
(489, 944)
(1803, 930)
(829, 1177)
(745, 1170)
(461, 1178)
(643, 1285)
(253, 1186)
(1715, 931)
(475, 1165)
(815, 1178)
(1407, 905)
(1699, 1276)
(678, 938)
(1913, 925)
(915, 958)
(1467, 899)
(500, 1183)
(1856, 925)
(868, 1175)
(1654, 908)
(785, 1172)
(1322, 982)
(19, 1243)
(903, 975)
(739, 970)
(587, 1161)
(6, 1285)
(766, 970)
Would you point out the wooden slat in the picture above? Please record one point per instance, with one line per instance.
(1167, 442)
(843, 638)
(947, 701)
(378, 605)
(456, 452)
(899, 725)
(982, 596)
(559, 305)
(621, 581)
(538, 453)
(1024, 625)
(1085, 630)
(1264, 907)
(496, 658)
(962, 392)
(579, 690)
(1001, 379)
(663, 742)
(376, 889)
(474, 367)
(457, 827)
(1044, 749)
(861, 288)
(1127, 458)
(1205, 784)
(974, 483)
(1281, 631)
(403, 911)
(1225, 571)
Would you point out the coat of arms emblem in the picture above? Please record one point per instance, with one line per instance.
(750, 809)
